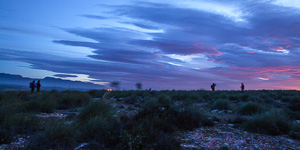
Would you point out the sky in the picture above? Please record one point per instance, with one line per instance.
(165, 44)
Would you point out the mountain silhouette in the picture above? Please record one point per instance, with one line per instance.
(17, 82)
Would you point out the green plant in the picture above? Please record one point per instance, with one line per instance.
(97, 109)
(164, 101)
(295, 130)
(21, 123)
(250, 108)
(96, 93)
(274, 122)
(71, 99)
(61, 135)
(221, 105)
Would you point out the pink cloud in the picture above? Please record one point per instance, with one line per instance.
(277, 48)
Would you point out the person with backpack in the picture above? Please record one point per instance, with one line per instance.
(38, 86)
(32, 86)
(213, 86)
(242, 87)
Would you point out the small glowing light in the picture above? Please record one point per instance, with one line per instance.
(109, 90)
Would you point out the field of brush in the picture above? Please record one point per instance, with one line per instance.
(144, 119)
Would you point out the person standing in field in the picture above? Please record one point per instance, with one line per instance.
(242, 87)
(38, 86)
(213, 86)
(32, 86)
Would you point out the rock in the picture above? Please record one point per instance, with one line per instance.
(214, 111)
(96, 99)
(229, 111)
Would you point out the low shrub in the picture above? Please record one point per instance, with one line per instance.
(274, 122)
(295, 103)
(164, 101)
(71, 99)
(58, 135)
(295, 130)
(105, 132)
(237, 121)
(21, 123)
(250, 108)
(96, 109)
(44, 102)
(96, 93)
(221, 105)
(153, 127)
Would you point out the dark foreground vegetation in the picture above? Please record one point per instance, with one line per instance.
(139, 119)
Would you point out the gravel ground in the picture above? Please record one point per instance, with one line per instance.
(224, 136)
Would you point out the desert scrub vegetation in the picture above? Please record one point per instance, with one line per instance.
(221, 104)
(158, 116)
(250, 108)
(97, 109)
(273, 122)
(71, 99)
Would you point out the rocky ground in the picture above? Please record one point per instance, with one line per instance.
(223, 135)
(227, 136)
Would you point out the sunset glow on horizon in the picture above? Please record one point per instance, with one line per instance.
(184, 45)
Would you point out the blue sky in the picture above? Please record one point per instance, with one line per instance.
(163, 44)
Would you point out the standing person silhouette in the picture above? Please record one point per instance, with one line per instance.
(32, 86)
(213, 86)
(38, 86)
(242, 87)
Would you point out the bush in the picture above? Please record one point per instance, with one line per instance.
(71, 99)
(192, 118)
(250, 108)
(21, 123)
(274, 122)
(153, 127)
(58, 135)
(44, 102)
(295, 103)
(164, 101)
(96, 109)
(221, 105)
(96, 93)
(295, 130)
(104, 132)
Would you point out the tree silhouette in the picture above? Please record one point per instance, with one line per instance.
(115, 85)
(139, 85)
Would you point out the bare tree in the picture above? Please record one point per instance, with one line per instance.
(115, 85)
(139, 85)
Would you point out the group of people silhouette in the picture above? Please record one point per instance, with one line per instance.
(33, 85)
(214, 85)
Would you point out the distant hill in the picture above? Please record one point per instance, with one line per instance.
(17, 82)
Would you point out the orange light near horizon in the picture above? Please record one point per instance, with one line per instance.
(109, 89)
